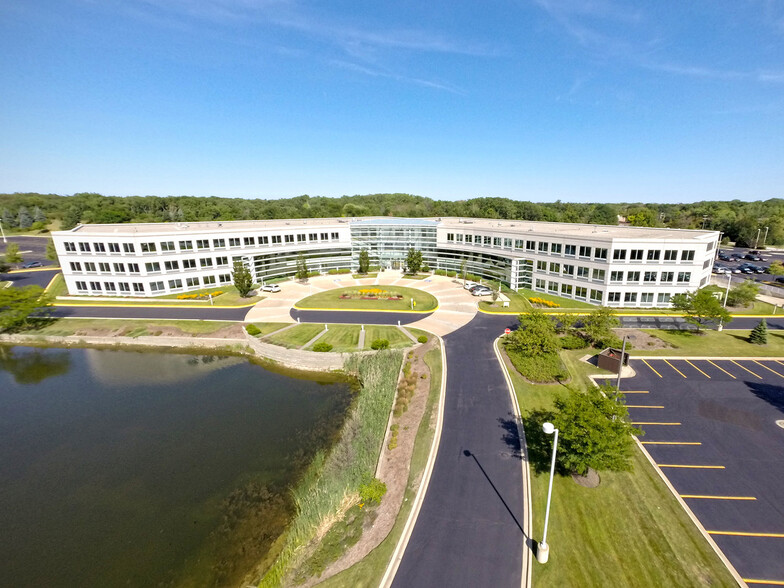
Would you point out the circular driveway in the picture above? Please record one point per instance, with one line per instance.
(456, 305)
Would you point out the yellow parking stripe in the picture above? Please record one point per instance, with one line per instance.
(670, 442)
(722, 369)
(634, 392)
(650, 366)
(695, 467)
(747, 369)
(707, 497)
(698, 369)
(673, 367)
(767, 368)
(771, 582)
(642, 406)
(742, 534)
(641, 423)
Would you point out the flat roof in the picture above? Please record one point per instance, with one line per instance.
(519, 227)
(575, 229)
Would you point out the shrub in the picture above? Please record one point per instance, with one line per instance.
(379, 344)
(743, 294)
(573, 342)
(253, 330)
(322, 347)
(422, 339)
(372, 491)
(542, 368)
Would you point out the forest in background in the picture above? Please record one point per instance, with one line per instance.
(742, 222)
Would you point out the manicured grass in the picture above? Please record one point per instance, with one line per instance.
(416, 276)
(341, 337)
(630, 531)
(57, 286)
(267, 328)
(368, 572)
(392, 334)
(230, 297)
(518, 302)
(419, 332)
(71, 326)
(296, 337)
(364, 276)
(727, 343)
(331, 299)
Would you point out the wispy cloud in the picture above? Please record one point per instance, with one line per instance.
(369, 71)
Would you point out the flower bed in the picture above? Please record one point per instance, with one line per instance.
(543, 302)
(203, 296)
(371, 294)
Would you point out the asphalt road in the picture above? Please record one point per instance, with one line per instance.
(727, 412)
(359, 318)
(469, 529)
(30, 248)
(33, 278)
(215, 313)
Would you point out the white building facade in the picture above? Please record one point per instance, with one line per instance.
(604, 265)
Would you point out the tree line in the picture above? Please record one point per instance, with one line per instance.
(746, 223)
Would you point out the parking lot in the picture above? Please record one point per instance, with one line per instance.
(711, 426)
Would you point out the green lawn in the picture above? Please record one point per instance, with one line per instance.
(230, 296)
(57, 286)
(134, 328)
(727, 343)
(296, 337)
(364, 276)
(630, 531)
(396, 338)
(418, 332)
(368, 572)
(518, 302)
(331, 299)
(341, 337)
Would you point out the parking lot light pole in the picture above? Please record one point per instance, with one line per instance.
(2, 232)
(543, 549)
(765, 237)
(727, 293)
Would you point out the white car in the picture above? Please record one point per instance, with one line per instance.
(481, 291)
(270, 288)
(469, 284)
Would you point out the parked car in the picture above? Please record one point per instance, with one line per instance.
(780, 279)
(752, 257)
(30, 264)
(746, 268)
(481, 291)
(469, 284)
(270, 288)
(724, 256)
(720, 269)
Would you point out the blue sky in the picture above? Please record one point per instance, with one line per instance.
(578, 100)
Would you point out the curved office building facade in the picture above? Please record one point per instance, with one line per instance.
(608, 265)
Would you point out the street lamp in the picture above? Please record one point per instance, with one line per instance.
(2, 232)
(727, 294)
(764, 238)
(543, 550)
(756, 241)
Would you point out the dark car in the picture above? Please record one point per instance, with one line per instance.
(30, 264)
(746, 268)
(780, 279)
(725, 256)
(752, 257)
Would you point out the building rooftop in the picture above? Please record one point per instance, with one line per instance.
(458, 224)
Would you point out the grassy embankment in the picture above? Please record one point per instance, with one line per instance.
(229, 297)
(127, 328)
(630, 531)
(518, 302)
(368, 572)
(331, 299)
(727, 343)
(330, 483)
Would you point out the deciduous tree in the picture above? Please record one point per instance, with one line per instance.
(743, 294)
(243, 280)
(364, 261)
(700, 308)
(413, 261)
(19, 307)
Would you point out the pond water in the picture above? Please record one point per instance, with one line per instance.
(121, 468)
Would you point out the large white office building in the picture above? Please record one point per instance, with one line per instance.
(610, 265)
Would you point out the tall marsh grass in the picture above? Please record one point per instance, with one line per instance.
(330, 484)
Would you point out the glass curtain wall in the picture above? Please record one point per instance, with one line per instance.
(387, 241)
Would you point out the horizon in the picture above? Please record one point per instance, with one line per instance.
(579, 101)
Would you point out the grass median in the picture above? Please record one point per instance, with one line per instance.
(630, 531)
(370, 298)
(726, 343)
(65, 327)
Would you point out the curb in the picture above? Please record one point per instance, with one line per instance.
(527, 570)
(35, 269)
(151, 306)
(295, 307)
(400, 549)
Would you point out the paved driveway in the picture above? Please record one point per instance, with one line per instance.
(711, 427)
(469, 531)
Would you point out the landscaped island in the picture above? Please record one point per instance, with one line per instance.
(391, 298)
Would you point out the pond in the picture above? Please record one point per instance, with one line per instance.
(122, 468)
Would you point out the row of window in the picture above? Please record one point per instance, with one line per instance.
(615, 276)
(151, 266)
(155, 287)
(579, 292)
(649, 277)
(584, 251)
(201, 244)
(631, 297)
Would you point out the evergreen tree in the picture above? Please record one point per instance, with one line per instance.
(23, 218)
(243, 280)
(12, 254)
(364, 261)
(759, 335)
(72, 217)
(9, 220)
(38, 215)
